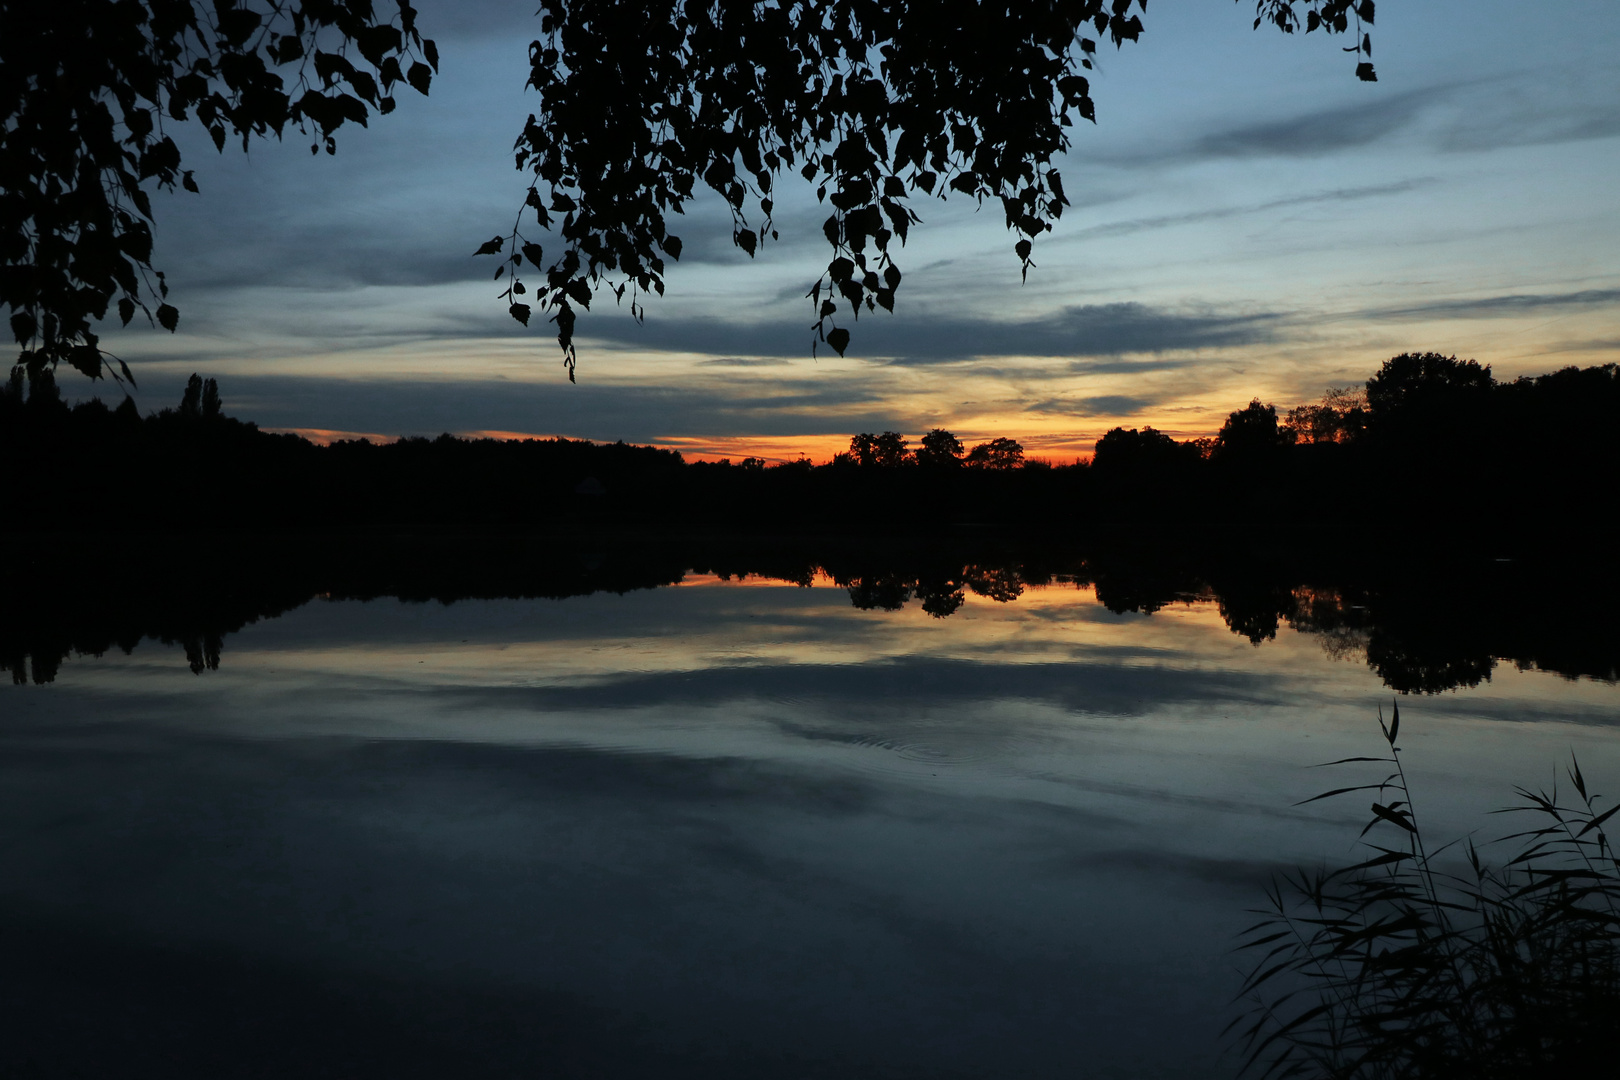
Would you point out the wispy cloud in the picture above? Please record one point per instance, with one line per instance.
(1498, 307)
(1322, 131)
(1166, 221)
(1470, 114)
(1571, 104)
(1311, 133)
(1089, 330)
(786, 407)
(1116, 404)
(1595, 345)
(1539, 129)
(918, 682)
(1109, 405)
(1130, 367)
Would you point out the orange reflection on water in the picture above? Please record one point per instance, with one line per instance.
(819, 578)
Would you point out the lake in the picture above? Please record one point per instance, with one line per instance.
(969, 821)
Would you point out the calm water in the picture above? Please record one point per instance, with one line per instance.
(724, 828)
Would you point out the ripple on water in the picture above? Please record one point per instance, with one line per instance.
(893, 756)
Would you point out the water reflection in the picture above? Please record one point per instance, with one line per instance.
(732, 827)
(1423, 625)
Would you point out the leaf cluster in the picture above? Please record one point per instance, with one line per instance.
(89, 92)
(1399, 967)
(873, 102)
(1329, 16)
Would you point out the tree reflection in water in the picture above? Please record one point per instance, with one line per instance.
(1424, 626)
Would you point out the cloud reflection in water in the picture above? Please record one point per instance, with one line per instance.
(712, 830)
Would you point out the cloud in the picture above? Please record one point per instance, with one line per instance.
(336, 257)
(1543, 129)
(1103, 405)
(741, 361)
(1117, 405)
(1590, 345)
(912, 683)
(786, 407)
(910, 339)
(1501, 306)
(1090, 330)
(1323, 131)
(1465, 115)
(1307, 134)
(1129, 367)
(1550, 106)
(1164, 221)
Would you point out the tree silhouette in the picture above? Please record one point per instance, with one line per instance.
(211, 405)
(887, 450)
(1250, 432)
(863, 448)
(874, 102)
(1128, 450)
(998, 453)
(1413, 382)
(1340, 417)
(191, 400)
(940, 447)
(88, 91)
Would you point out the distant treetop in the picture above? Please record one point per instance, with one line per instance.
(1419, 379)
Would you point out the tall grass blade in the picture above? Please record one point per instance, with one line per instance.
(1395, 967)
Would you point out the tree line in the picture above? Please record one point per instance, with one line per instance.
(1429, 442)
(1427, 437)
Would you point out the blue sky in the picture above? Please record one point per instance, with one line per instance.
(1248, 219)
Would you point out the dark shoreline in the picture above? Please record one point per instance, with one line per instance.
(1434, 449)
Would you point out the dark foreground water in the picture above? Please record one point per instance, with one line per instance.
(720, 829)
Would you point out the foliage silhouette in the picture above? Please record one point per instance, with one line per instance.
(1414, 383)
(871, 101)
(887, 450)
(874, 102)
(998, 453)
(940, 448)
(85, 115)
(1250, 433)
(1341, 416)
(1129, 450)
(1429, 431)
(1399, 966)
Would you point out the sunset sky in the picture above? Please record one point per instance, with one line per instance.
(1248, 220)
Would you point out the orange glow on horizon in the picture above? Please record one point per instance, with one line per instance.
(1059, 449)
(773, 449)
(328, 436)
(1062, 448)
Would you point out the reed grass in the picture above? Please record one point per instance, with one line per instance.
(1419, 962)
